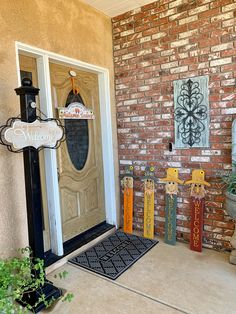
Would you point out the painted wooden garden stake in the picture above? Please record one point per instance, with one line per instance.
(128, 184)
(172, 182)
(197, 192)
(148, 223)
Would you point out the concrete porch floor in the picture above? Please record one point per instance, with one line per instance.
(166, 280)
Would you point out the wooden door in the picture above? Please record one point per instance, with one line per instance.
(80, 167)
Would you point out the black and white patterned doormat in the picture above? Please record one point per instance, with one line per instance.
(114, 255)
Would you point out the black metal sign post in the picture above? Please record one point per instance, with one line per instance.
(27, 95)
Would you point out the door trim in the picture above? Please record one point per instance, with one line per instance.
(43, 57)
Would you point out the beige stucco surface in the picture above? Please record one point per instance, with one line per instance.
(66, 27)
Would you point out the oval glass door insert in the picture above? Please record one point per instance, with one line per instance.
(77, 136)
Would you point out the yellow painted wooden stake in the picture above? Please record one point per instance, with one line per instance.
(148, 209)
(148, 219)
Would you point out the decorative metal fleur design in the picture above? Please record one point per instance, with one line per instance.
(190, 113)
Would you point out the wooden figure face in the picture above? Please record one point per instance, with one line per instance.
(197, 190)
(149, 185)
(171, 187)
(128, 182)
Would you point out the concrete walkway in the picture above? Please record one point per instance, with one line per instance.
(166, 280)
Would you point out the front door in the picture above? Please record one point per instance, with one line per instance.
(80, 166)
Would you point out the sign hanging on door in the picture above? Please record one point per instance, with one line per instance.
(76, 110)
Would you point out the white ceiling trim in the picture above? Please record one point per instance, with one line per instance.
(116, 7)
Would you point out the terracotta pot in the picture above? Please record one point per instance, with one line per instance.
(230, 204)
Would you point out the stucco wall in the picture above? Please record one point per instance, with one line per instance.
(67, 27)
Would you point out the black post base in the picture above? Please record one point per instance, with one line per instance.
(48, 290)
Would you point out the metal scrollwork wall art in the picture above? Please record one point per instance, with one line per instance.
(191, 112)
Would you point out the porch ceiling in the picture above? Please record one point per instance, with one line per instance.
(116, 7)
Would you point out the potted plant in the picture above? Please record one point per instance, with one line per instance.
(230, 184)
(230, 206)
(18, 276)
(230, 179)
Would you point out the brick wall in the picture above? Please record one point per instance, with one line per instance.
(153, 46)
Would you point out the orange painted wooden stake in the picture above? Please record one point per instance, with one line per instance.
(128, 183)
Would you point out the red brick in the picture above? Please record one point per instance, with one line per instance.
(150, 6)
(150, 31)
(179, 29)
(209, 42)
(168, 26)
(160, 8)
(209, 13)
(230, 52)
(142, 27)
(159, 22)
(220, 3)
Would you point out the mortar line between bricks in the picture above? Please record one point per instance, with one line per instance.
(147, 296)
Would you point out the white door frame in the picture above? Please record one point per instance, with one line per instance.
(53, 198)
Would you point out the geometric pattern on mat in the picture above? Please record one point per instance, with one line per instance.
(114, 255)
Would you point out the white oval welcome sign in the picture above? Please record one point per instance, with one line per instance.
(37, 134)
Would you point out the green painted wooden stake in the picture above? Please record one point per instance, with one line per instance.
(170, 219)
(172, 181)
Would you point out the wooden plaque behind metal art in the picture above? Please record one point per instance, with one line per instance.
(191, 102)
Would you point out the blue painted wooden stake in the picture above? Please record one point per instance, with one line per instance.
(170, 219)
(172, 181)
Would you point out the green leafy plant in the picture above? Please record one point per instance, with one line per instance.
(229, 177)
(19, 275)
(69, 296)
(230, 182)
